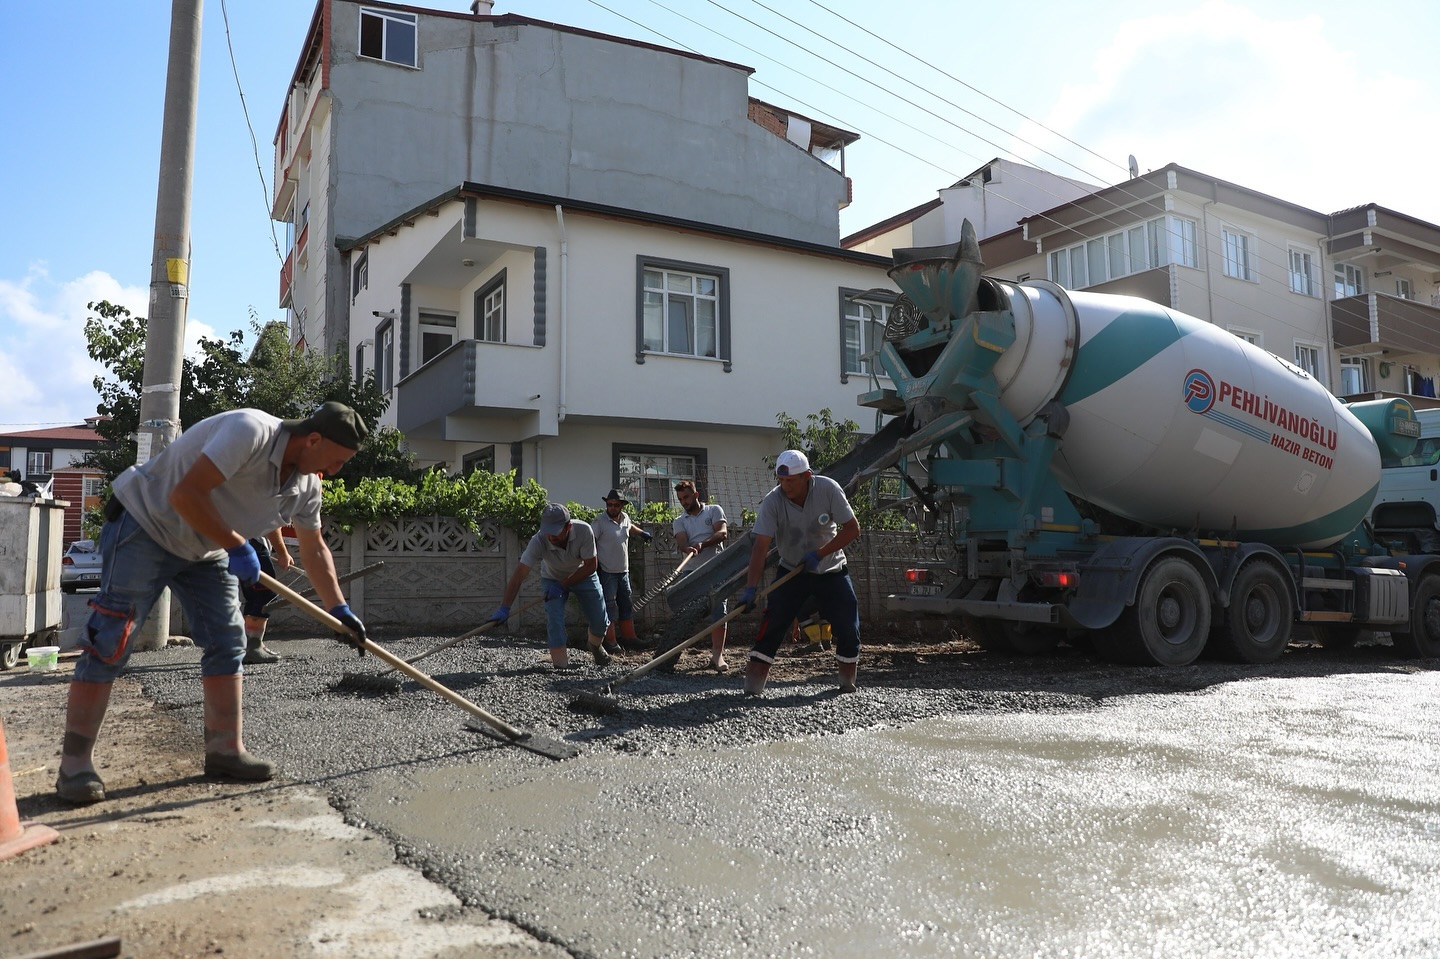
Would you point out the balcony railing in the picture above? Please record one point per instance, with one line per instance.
(1387, 322)
(494, 388)
(287, 277)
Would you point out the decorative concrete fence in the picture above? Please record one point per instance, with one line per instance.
(439, 577)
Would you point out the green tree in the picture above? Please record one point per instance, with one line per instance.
(275, 377)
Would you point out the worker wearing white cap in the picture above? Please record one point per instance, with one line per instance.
(810, 522)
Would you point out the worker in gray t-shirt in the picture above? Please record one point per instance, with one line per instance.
(183, 521)
(700, 530)
(810, 522)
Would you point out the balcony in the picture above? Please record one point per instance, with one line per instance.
(1153, 285)
(1382, 321)
(478, 391)
(287, 279)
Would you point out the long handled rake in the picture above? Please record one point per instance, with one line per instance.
(601, 700)
(535, 743)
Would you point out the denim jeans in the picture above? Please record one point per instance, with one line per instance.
(592, 604)
(136, 569)
(616, 587)
(834, 596)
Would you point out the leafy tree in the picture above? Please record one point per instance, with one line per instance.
(274, 377)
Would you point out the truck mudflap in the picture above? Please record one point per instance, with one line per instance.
(1110, 578)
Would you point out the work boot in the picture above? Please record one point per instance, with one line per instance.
(611, 646)
(598, 652)
(78, 782)
(717, 661)
(225, 754)
(257, 652)
(847, 676)
(756, 672)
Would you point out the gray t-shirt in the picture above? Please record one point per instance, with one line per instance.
(612, 541)
(797, 530)
(247, 447)
(700, 527)
(557, 562)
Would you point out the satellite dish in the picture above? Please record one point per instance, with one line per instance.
(1134, 167)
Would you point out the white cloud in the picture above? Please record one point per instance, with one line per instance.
(1267, 102)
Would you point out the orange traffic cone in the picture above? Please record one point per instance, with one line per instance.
(16, 836)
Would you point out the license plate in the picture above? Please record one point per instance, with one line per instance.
(924, 590)
(89, 577)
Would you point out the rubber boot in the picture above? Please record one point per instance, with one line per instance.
(756, 672)
(225, 755)
(848, 672)
(597, 650)
(78, 782)
(628, 637)
(255, 649)
(717, 651)
(611, 647)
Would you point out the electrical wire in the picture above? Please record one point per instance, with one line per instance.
(254, 144)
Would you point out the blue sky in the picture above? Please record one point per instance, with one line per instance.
(1325, 104)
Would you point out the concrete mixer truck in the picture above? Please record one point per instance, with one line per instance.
(1113, 471)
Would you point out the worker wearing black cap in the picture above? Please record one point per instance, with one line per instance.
(183, 521)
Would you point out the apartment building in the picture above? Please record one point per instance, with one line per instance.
(596, 261)
(391, 105)
(1353, 297)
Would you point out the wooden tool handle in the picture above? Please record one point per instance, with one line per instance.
(389, 658)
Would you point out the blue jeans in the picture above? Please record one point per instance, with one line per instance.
(136, 570)
(616, 587)
(592, 604)
(834, 596)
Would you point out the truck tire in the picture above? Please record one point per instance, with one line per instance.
(1012, 639)
(1256, 625)
(1423, 639)
(1169, 622)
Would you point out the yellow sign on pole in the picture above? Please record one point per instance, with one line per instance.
(176, 270)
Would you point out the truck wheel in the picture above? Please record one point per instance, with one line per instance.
(986, 634)
(1170, 620)
(1257, 624)
(1423, 640)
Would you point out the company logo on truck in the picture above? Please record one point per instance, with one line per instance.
(1308, 439)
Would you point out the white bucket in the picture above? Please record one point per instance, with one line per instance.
(43, 658)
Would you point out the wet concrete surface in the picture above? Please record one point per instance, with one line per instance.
(959, 804)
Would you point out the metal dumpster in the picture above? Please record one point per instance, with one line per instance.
(31, 533)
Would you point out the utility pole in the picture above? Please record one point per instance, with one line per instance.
(170, 267)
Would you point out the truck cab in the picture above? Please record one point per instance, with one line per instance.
(1409, 493)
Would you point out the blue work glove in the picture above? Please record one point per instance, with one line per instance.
(553, 590)
(747, 597)
(645, 537)
(352, 622)
(244, 564)
(501, 614)
(811, 560)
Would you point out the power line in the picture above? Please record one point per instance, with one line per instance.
(254, 144)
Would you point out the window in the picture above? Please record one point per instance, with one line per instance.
(1236, 247)
(387, 35)
(481, 459)
(437, 334)
(648, 474)
(490, 310)
(1403, 288)
(1302, 273)
(1349, 280)
(37, 463)
(1249, 336)
(361, 278)
(92, 486)
(862, 332)
(1308, 359)
(1354, 375)
(385, 360)
(1145, 246)
(683, 310)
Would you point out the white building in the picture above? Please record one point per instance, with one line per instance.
(589, 347)
(1349, 296)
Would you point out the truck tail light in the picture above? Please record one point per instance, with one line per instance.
(1060, 580)
(917, 577)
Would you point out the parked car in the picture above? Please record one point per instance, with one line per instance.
(80, 568)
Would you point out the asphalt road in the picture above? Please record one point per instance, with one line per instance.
(959, 804)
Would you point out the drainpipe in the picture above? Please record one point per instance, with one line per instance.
(564, 303)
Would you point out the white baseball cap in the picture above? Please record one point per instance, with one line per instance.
(791, 463)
